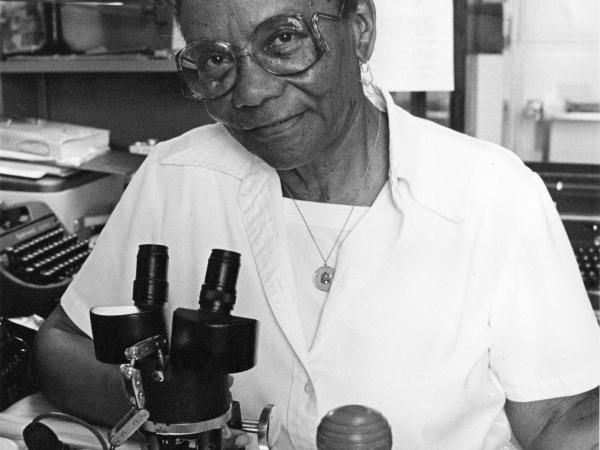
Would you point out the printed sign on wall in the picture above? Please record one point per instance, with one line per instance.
(414, 47)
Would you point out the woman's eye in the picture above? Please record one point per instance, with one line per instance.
(217, 59)
(283, 38)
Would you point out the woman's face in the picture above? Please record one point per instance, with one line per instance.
(286, 121)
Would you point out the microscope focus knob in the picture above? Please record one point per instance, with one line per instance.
(267, 427)
(354, 427)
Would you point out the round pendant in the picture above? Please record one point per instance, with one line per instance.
(323, 278)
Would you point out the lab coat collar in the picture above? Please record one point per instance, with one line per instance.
(420, 160)
(212, 147)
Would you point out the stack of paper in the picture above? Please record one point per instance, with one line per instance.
(46, 141)
(24, 169)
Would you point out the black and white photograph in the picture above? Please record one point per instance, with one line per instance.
(299, 224)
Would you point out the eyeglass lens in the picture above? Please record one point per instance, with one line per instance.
(282, 45)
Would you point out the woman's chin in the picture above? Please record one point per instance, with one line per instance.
(284, 153)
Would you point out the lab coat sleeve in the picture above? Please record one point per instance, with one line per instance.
(106, 278)
(545, 338)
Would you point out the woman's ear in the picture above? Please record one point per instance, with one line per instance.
(364, 29)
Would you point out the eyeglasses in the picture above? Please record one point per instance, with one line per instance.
(282, 45)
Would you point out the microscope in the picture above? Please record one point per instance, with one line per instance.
(179, 389)
(179, 393)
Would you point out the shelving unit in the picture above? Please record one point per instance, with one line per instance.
(134, 96)
(83, 64)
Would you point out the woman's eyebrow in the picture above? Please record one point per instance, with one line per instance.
(234, 30)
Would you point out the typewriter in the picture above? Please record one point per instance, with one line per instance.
(16, 380)
(584, 234)
(575, 189)
(38, 258)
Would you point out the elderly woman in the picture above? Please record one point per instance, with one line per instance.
(391, 262)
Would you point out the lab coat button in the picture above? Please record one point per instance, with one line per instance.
(308, 388)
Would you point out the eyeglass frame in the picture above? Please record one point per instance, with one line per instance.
(315, 33)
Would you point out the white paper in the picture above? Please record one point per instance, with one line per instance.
(414, 46)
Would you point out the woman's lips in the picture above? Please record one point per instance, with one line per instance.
(276, 127)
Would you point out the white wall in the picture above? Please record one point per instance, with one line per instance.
(484, 97)
(554, 56)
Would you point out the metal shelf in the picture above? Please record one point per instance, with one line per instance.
(78, 63)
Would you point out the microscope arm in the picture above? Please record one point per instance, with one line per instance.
(138, 414)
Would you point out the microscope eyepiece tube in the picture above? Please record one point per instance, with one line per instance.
(115, 328)
(218, 291)
(150, 288)
(211, 336)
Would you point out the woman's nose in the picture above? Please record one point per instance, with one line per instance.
(254, 85)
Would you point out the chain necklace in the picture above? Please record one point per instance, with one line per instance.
(323, 275)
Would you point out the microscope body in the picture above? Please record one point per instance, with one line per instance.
(179, 394)
(205, 348)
